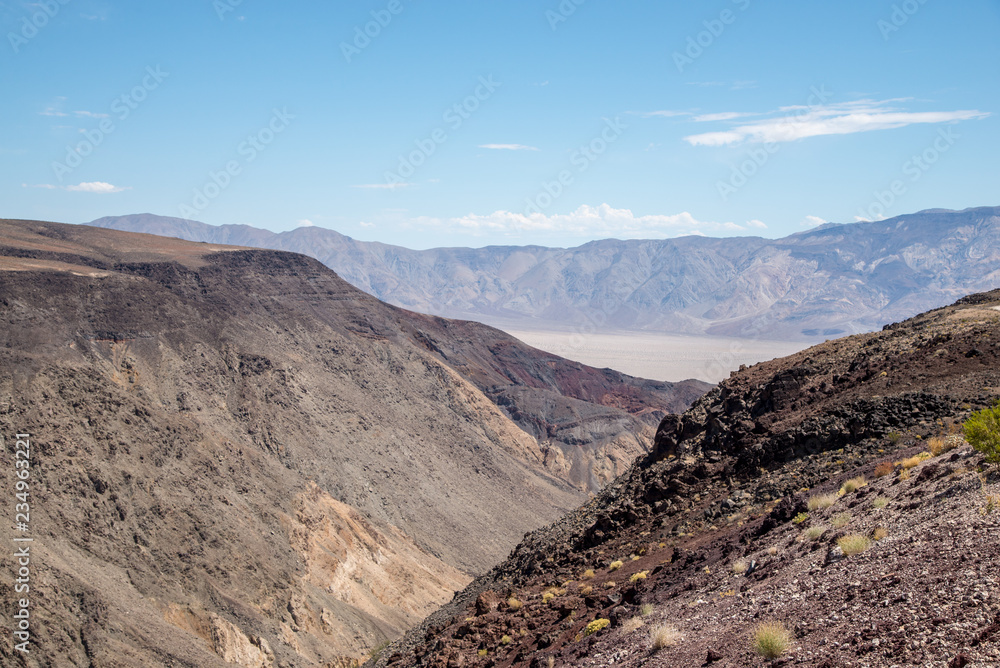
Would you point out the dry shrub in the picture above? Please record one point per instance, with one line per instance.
(821, 501)
(771, 640)
(595, 626)
(879, 533)
(514, 604)
(588, 574)
(773, 550)
(664, 636)
(615, 565)
(633, 624)
(638, 576)
(884, 469)
(610, 584)
(853, 544)
(910, 462)
(854, 484)
(646, 610)
(841, 520)
(586, 591)
(813, 533)
(740, 567)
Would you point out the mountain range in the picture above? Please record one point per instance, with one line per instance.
(815, 284)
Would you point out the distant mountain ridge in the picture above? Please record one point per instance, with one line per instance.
(818, 283)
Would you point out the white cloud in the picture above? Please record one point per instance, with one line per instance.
(382, 186)
(724, 116)
(586, 221)
(665, 113)
(98, 187)
(305, 222)
(363, 224)
(756, 224)
(509, 147)
(835, 119)
(813, 221)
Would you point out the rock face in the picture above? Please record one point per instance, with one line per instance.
(239, 458)
(822, 283)
(830, 491)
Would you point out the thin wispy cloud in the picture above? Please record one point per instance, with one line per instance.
(586, 221)
(813, 221)
(724, 116)
(98, 187)
(834, 119)
(382, 186)
(509, 147)
(55, 109)
(666, 113)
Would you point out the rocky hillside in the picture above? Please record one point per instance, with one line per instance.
(821, 283)
(240, 458)
(830, 492)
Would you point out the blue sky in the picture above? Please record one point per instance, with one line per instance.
(474, 122)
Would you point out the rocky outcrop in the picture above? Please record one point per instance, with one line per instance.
(714, 532)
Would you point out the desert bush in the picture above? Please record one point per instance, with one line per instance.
(800, 518)
(588, 574)
(853, 544)
(884, 469)
(610, 584)
(483, 652)
(664, 636)
(586, 591)
(813, 533)
(841, 520)
(646, 610)
(773, 550)
(505, 640)
(514, 604)
(910, 462)
(771, 640)
(821, 501)
(595, 626)
(895, 437)
(633, 624)
(880, 502)
(982, 430)
(740, 567)
(615, 565)
(936, 446)
(904, 474)
(879, 533)
(638, 576)
(854, 484)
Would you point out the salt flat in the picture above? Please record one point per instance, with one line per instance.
(666, 357)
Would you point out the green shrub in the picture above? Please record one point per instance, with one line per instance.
(505, 640)
(771, 640)
(615, 565)
(595, 626)
(880, 502)
(982, 430)
(646, 610)
(638, 576)
(813, 533)
(800, 518)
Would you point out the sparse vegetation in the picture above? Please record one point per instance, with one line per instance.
(771, 640)
(638, 576)
(596, 625)
(821, 501)
(982, 430)
(615, 565)
(505, 640)
(910, 462)
(884, 469)
(841, 520)
(663, 637)
(740, 567)
(895, 437)
(992, 503)
(610, 584)
(800, 518)
(854, 484)
(879, 533)
(853, 544)
(586, 591)
(374, 652)
(813, 533)
(646, 610)
(904, 474)
(773, 550)
(547, 596)
(631, 625)
(588, 574)
(514, 604)
(880, 502)
(483, 652)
